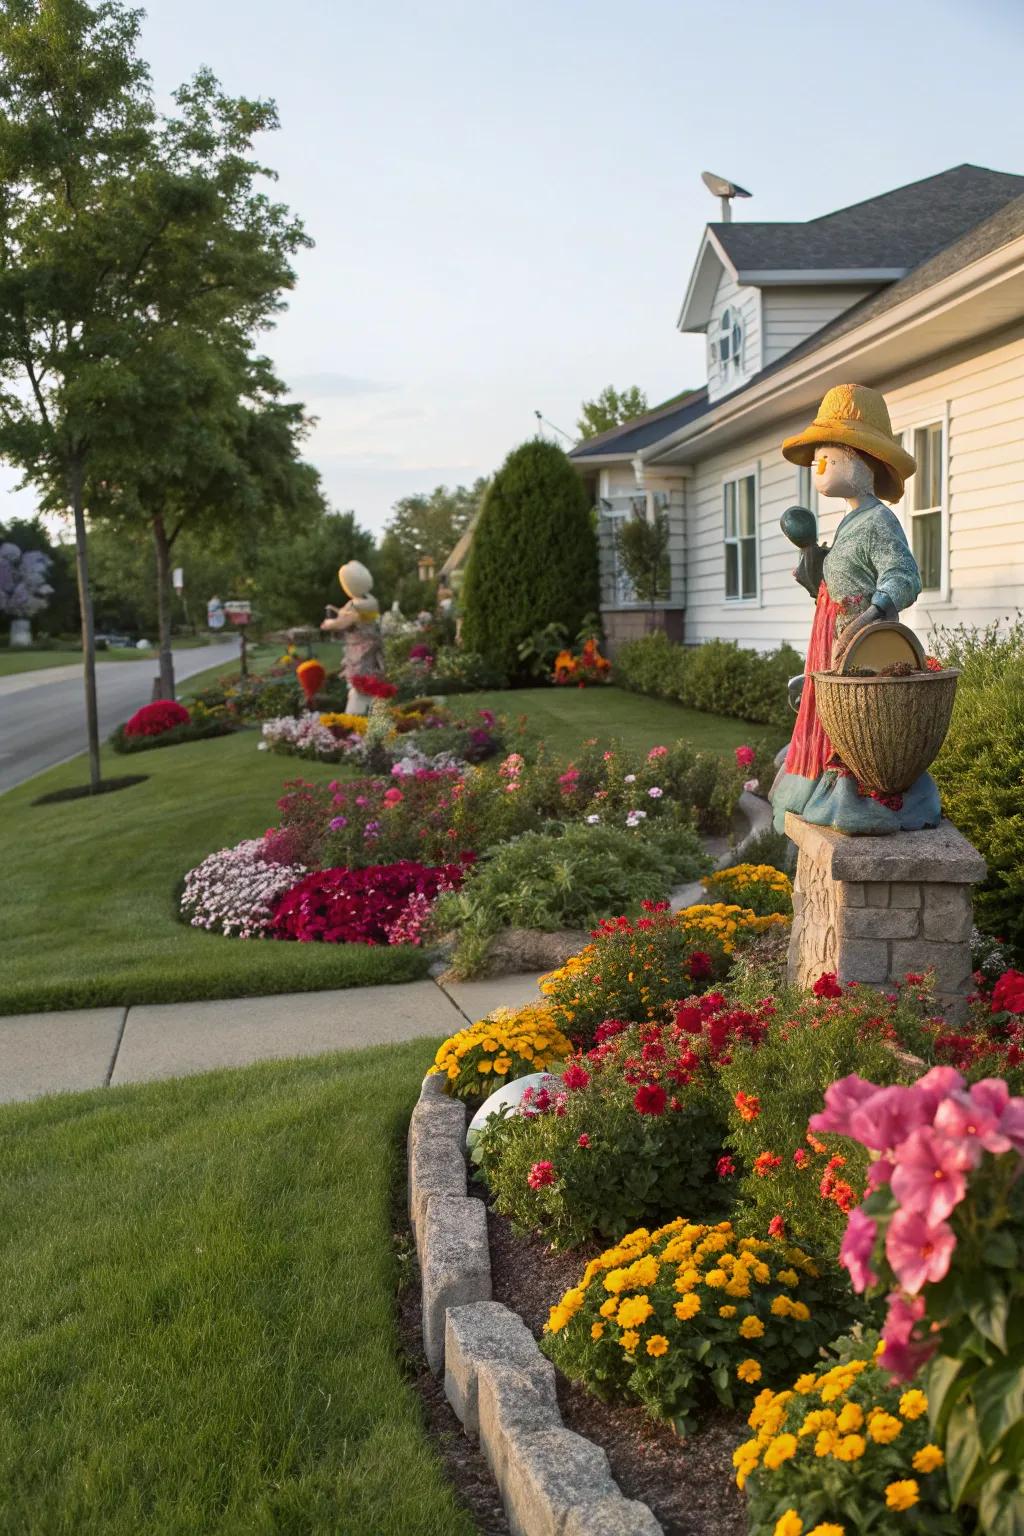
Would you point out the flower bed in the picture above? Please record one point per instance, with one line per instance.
(166, 723)
(418, 734)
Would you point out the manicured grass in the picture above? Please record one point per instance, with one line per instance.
(12, 661)
(260, 660)
(88, 903)
(564, 717)
(197, 1316)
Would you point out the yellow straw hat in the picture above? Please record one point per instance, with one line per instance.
(853, 416)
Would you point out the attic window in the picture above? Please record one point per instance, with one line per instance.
(730, 339)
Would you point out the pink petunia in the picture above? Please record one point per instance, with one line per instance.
(887, 1117)
(857, 1247)
(928, 1179)
(935, 1086)
(841, 1099)
(880, 1172)
(974, 1117)
(904, 1355)
(919, 1251)
(1012, 1123)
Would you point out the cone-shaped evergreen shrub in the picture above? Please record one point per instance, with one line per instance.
(534, 557)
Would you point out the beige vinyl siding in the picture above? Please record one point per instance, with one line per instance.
(790, 315)
(981, 392)
(746, 301)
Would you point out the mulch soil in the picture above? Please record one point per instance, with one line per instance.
(689, 1485)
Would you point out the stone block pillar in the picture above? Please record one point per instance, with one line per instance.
(873, 908)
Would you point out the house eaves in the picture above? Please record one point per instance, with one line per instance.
(969, 300)
(817, 278)
(703, 285)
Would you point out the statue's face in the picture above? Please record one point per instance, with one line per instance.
(842, 472)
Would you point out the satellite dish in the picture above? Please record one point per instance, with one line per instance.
(718, 186)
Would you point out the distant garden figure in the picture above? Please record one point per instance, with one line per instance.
(359, 623)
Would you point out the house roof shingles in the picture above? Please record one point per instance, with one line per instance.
(984, 236)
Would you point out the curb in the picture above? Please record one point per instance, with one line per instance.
(553, 1482)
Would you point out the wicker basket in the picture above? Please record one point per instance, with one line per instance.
(887, 730)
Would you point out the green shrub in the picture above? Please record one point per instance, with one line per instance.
(568, 877)
(774, 848)
(534, 556)
(811, 1182)
(195, 730)
(718, 677)
(980, 772)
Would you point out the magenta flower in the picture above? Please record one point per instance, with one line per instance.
(903, 1355)
(841, 1099)
(935, 1086)
(1012, 1123)
(887, 1118)
(929, 1175)
(857, 1247)
(919, 1251)
(879, 1172)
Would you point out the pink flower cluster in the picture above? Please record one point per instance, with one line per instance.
(929, 1137)
(236, 890)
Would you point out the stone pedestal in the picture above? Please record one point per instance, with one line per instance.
(873, 908)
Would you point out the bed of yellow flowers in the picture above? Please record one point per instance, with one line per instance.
(760, 887)
(688, 1310)
(508, 1043)
(341, 722)
(843, 1453)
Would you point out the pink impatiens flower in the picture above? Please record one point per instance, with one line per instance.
(918, 1251)
(928, 1178)
(857, 1247)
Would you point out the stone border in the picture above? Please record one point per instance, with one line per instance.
(552, 1481)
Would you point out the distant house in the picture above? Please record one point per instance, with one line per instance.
(918, 292)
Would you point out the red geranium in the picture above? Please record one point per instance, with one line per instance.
(357, 906)
(374, 687)
(575, 1076)
(1008, 993)
(154, 719)
(827, 985)
(540, 1175)
(650, 1099)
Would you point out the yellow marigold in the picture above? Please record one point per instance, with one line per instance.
(356, 723)
(883, 1428)
(824, 1442)
(748, 1371)
(738, 1286)
(716, 1279)
(828, 1528)
(851, 1417)
(643, 1272)
(913, 1404)
(788, 1524)
(761, 1273)
(788, 1277)
(609, 1308)
(558, 1318)
(849, 1448)
(597, 1330)
(817, 1420)
(781, 1306)
(686, 1280)
(751, 1328)
(573, 1300)
(657, 1345)
(629, 1341)
(780, 1450)
(687, 1308)
(800, 1311)
(902, 1495)
(928, 1459)
(615, 1281)
(634, 1311)
(762, 1402)
(727, 1311)
(805, 1383)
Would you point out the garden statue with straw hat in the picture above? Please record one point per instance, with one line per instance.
(868, 574)
(359, 622)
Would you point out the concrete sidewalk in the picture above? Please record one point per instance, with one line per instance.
(43, 1053)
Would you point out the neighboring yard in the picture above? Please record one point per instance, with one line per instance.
(14, 661)
(197, 1308)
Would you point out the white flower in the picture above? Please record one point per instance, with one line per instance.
(655, 793)
(751, 785)
(263, 746)
(592, 821)
(630, 778)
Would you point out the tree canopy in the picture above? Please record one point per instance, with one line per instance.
(425, 524)
(610, 409)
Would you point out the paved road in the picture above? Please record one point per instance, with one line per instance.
(42, 714)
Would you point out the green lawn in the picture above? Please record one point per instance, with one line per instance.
(564, 717)
(197, 1316)
(12, 661)
(88, 900)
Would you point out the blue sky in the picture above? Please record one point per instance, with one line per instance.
(506, 200)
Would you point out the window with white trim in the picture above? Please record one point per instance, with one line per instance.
(806, 495)
(923, 505)
(739, 508)
(725, 344)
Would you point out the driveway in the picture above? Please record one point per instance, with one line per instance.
(42, 714)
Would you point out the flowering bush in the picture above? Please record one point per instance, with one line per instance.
(759, 887)
(942, 1233)
(687, 1312)
(153, 719)
(356, 906)
(843, 1450)
(806, 1180)
(304, 735)
(508, 1043)
(633, 970)
(990, 1043)
(635, 1129)
(588, 667)
(235, 891)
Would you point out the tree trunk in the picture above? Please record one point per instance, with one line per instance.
(163, 606)
(75, 479)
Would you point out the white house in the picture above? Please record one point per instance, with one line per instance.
(918, 292)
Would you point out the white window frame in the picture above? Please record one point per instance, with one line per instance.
(906, 512)
(806, 492)
(753, 600)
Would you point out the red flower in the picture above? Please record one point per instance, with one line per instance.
(357, 906)
(373, 687)
(933, 664)
(1008, 993)
(650, 1100)
(801, 1158)
(827, 985)
(748, 1104)
(699, 965)
(584, 1140)
(765, 1163)
(541, 1174)
(689, 1019)
(156, 718)
(776, 1227)
(575, 1076)
(745, 756)
(725, 1167)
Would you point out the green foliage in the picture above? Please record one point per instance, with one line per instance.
(719, 676)
(610, 409)
(424, 524)
(811, 1043)
(296, 572)
(534, 556)
(643, 549)
(570, 877)
(774, 848)
(980, 770)
(195, 730)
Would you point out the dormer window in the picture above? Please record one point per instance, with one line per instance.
(725, 345)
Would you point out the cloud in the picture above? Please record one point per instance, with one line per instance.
(334, 386)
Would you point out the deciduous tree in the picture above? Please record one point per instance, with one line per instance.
(611, 408)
